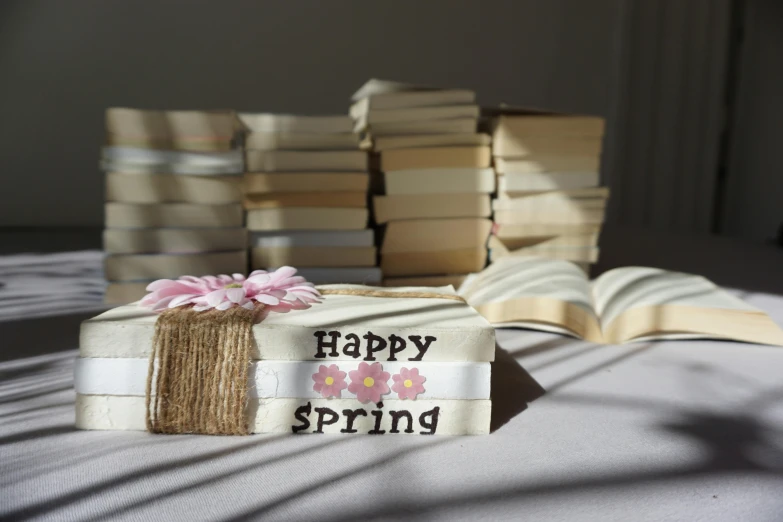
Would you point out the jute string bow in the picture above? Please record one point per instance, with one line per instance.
(197, 380)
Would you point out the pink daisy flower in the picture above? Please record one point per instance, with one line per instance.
(329, 381)
(369, 382)
(408, 383)
(278, 291)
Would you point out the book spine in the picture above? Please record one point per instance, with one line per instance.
(425, 417)
(324, 344)
(292, 379)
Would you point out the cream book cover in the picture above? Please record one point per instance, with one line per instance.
(300, 141)
(305, 199)
(369, 120)
(436, 157)
(430, 235)
(337, 275)
(319, 181)
(343, 327)
(547, 181)
(405, 361)
(296, 124)
(307, 218)
(201, 131)
(172, 215)
(145, 267)
(151, 161)
(316, 256)
(384, 143)
(420, 206)
(296, 160)
(440, 181)
(173, 240)
(456, 261)
(313, 238)
(424, 127)
(164, 188)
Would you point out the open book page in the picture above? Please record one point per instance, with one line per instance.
(651, 303)
(534, 293)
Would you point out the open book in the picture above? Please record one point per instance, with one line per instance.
(622, 305)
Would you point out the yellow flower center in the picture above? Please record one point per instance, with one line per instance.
(234, 285)
(407, 383)
(329, 381)
(369, 381)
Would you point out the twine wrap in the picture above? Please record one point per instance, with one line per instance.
(199, 366)
(202, 360)
(388, 293)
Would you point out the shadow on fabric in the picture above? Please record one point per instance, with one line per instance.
(42, 335)
(512, 389)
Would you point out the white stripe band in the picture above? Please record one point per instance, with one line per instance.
(291, 379)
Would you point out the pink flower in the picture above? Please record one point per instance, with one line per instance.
(369, 382)
(408, 383)
(329, 381)
(278, 291)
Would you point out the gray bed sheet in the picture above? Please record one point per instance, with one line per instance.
(689, 430)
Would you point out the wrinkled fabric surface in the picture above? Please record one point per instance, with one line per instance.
(657, 431)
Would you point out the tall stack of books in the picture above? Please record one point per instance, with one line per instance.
(434, 199)
(549, 201)
(173, 198)
(306, 191)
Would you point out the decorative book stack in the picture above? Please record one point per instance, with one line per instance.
(549, 202)
(437, 179)
(306, 198)
(364, 360)
(173, 197)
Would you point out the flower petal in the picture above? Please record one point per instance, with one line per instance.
(259, 279)
(181, 300)
(283, 272)
(235, 295)
(167, 285)
(216, 297)
(266, 299)
(212, 282)
(162, 304)
(304, 289)
(225, 305)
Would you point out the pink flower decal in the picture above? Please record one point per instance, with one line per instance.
(278, 291)
(329, 381)
(369, 382)
(408, 383)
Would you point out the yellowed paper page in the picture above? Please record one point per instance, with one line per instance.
(636, 302)
(536, 293)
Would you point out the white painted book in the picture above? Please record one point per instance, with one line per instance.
(426, 359)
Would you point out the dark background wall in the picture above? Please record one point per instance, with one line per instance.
(64, 62)
(753, 198)
(674, 79)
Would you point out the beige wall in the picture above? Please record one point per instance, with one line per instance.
(63, 62)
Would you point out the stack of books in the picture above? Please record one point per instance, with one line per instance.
(434, 199)
(388, 364)
(549, 201)
(173, 198)
(306, 190)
